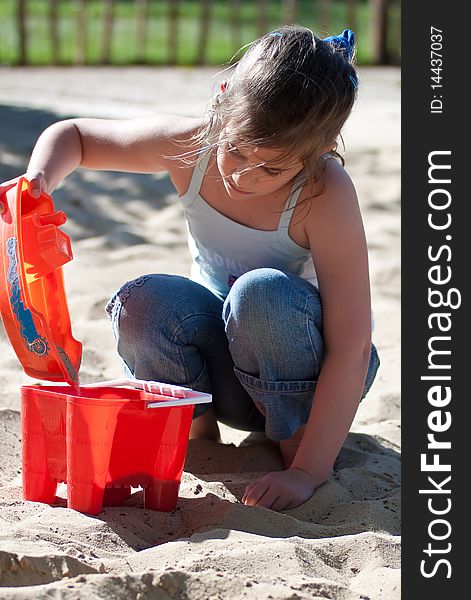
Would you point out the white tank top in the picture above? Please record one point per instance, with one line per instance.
(223, 250)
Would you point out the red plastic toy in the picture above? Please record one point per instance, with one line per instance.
(103, 442)
(33, 304)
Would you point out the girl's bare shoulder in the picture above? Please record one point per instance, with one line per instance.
(334, 193)
(334, 217)
(338, 180)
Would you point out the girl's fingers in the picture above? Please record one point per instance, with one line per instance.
(247, 491)
(260, 494)
(34, 189)
(254, 493)
(282, 503)
(36, 185)
(269, 499)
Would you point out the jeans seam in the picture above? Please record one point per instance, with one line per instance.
(179, 346)
(188, 382)
(310, 321)
(303, 299)
(200, 314)
(311, 341)
(301, 385)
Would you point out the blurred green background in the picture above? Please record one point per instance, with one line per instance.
(183, 32)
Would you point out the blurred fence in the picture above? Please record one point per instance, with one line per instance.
(185, 32)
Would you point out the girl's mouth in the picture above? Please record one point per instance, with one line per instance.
(233, 186)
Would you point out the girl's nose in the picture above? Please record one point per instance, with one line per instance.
(242, 175)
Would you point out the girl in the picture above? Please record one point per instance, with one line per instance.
(275, 321)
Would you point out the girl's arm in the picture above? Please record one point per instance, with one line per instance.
(338, 245)
(133, 145)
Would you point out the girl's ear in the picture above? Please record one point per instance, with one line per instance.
(330, 148)
(223, 86)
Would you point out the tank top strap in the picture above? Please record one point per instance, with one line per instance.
(197, 176)
(290, 204)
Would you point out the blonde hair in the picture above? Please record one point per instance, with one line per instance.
(291, 91)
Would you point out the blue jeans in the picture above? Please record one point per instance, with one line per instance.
(258, 352)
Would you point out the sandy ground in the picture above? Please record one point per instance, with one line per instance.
(344, 543)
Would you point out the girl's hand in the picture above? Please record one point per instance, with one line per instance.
(36, 185)
(281, 490)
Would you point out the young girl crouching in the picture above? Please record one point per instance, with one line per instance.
(275, 321)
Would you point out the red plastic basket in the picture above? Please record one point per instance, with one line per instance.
(103, 442)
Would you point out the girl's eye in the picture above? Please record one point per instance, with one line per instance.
(272, 172)
(231, 148)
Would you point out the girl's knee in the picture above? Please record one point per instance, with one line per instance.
(271, 298)
(252, 295)
(158, 305)
(131, 306)
(274, 324)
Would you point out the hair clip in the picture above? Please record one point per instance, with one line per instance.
(275, 34)
(344, 42)
(354, 81)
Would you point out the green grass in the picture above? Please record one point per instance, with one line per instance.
(221, 45)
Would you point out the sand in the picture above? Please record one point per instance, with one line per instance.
(344, 543)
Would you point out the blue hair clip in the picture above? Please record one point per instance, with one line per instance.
(344, 42)
(275, 34)
(354, 81)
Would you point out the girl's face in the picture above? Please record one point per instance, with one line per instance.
(250, 171)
